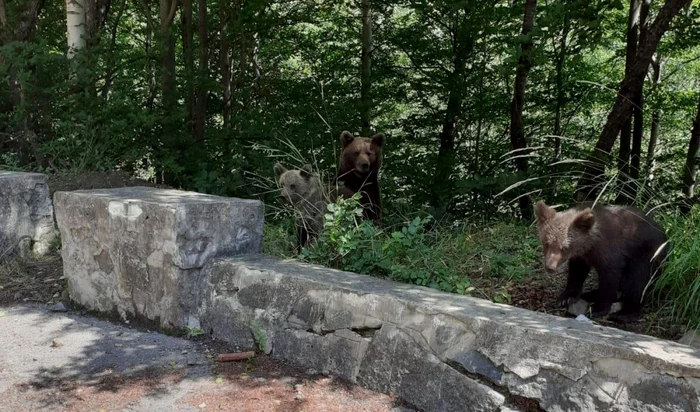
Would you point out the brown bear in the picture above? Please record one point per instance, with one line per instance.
(303, 190)
(623, 244)
(360, 160)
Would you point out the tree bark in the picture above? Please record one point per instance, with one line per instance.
(655, 119)
(188, 54)
(75, 21)
(690, 169)
(590, 183)
(201, 108)
(167, 14)
(638, 111)
(96, 12)
(225, 62)
(559, 79)
(366, 69)
(517, 132)
(623, 158)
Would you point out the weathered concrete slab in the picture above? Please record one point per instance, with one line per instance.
(139, 251)
(26, 214)
(439, 351)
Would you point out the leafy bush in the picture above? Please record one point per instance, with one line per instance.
(350, 243)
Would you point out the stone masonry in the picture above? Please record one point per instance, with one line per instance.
(138, 251)
(169, 256)
(440, 351)
(26, 214)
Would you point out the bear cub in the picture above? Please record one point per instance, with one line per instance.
(360, 161)
(623, 244)
(303, 190)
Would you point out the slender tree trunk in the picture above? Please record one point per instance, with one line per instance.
(690, 169)
(225, 62)
(561, 97)
(442, 178)
(655, 119)
(188, 54)
(366, 68)
(168, 8)
(623, 158)
(150, 69)
(75, 20)
(517, 132)
(590, 182)
(638, 111)
(167, 14)
(201, 109)
(109, 75)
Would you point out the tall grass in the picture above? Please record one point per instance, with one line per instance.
(678, 287)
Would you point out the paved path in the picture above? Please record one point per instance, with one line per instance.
(69, 362)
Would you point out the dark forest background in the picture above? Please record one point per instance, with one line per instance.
(487, 106)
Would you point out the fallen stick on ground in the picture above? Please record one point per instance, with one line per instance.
(229, 357)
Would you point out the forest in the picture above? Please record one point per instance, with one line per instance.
(487, 107)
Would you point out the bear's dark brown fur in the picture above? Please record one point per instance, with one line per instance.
(360, 160)
(623, 244)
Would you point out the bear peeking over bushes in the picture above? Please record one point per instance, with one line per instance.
(623, 244)
(303, 190)
(358, 171)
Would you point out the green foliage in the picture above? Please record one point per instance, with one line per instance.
(678, 287)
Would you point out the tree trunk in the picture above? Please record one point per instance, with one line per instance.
(225, 62)
(365, 68)
(623, 158)
(75, 20)
(201, 108)
(167, 14)
(561, 97)
(655, 118)
(96, 12)
(638, 111)
(517, 132)
(590, 182)
(188, 54)
(691, 161)
(168, 8)
(442, 178)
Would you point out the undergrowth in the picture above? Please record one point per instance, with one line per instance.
(678, 288)
(438, 255)
(420, 251)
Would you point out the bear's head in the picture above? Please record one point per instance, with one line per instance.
(564, 234)
(298, 187)
(361, 155)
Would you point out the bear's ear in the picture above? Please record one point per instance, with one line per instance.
(279, 170)
(306, 171)
(346, 138)
(584, 220)
(543, 212)
(378, 139)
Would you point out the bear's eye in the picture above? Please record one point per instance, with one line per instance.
(292, 186)
(357, 152)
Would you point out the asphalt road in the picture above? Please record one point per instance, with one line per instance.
(71, 362)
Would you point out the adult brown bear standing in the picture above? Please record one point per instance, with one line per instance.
(360, 160)
(623, 244)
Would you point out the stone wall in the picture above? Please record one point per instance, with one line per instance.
(26, 214)
(439, 351)
(164, 255)
(138, 251)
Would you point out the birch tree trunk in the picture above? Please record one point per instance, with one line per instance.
(75, 21)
